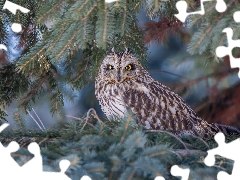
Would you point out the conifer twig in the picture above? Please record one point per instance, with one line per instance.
(204, 142)
(126, 127)
(183, 153)
(170, 135)
(83, 71)
(45, 139)
(19, 122)
(33, 91)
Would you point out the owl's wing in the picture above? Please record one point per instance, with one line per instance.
(157, 107)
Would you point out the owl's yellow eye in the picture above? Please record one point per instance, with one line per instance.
(110, 67)
(129, 67)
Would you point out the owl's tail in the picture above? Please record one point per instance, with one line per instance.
(228, 130)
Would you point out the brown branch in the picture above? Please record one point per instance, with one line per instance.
(20, 123)
(126, 127)
(167, 72)
(67, 45)
(32, 58)
(84, 70)
(34, 90)
(125, 15)
(50, 10)
(81, 7)
(220, 75)
(54, 43)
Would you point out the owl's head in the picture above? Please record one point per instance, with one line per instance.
(118, 67)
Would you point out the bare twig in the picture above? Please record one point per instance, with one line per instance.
(95, 116)
(202, 78)
(167, 72)
(39, 119)
(35, 120)
(80, 119)
(86, 120)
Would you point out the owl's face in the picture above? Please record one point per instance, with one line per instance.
(120, 67)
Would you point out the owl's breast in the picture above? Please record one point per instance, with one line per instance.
(111, 101)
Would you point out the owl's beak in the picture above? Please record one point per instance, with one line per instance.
(119, 76)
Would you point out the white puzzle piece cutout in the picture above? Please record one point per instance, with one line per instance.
(33, 169)
(86, 178)
(159, 178)
(7, 163)
(177, 171)
(228, 150)
(236, 16)
(110, 1)
(222, 51)
(182, 9)
(12, 7)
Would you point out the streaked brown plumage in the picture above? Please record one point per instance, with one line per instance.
(122, 84)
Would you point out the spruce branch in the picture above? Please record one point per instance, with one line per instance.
(105, 154)
(52, 9)
(171, 134)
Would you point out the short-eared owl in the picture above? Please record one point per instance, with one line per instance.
(122, 84)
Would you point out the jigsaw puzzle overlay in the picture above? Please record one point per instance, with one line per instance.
(222, 51)
(228, 150)
(12, 7)
(220, 7)
(34, 166)
(182, 9)
(8, 165)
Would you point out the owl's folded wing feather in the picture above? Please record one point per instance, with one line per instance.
(157, 107)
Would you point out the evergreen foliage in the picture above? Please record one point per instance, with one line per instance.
(203, 74)
(105, 149)
(75, 37)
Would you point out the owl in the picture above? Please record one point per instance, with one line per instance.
(122, 84)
